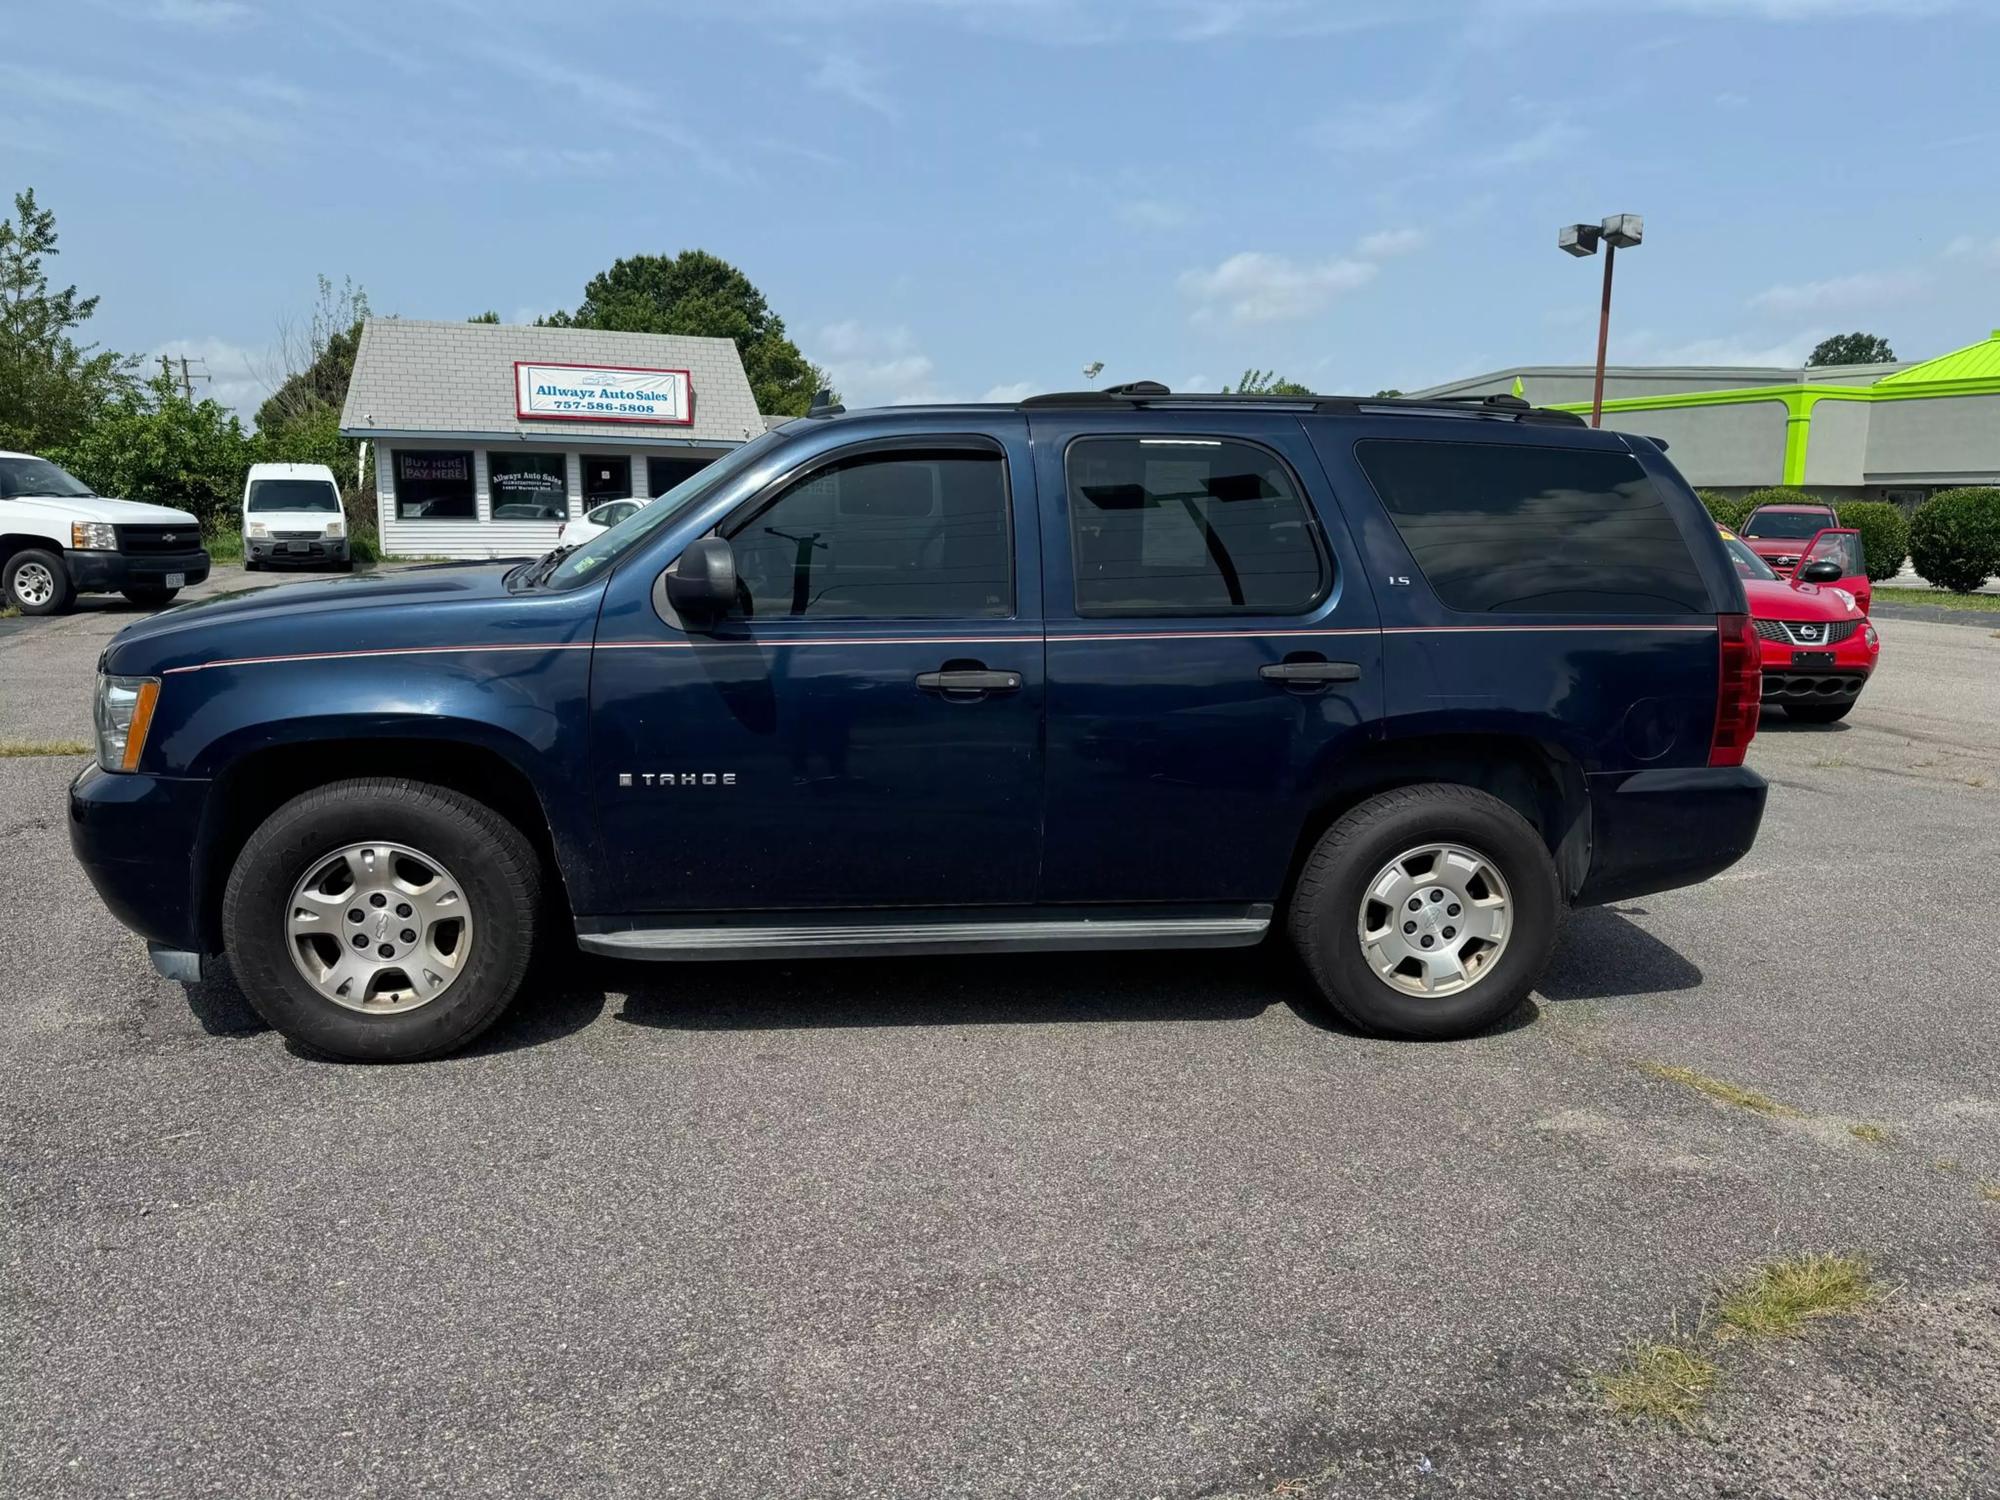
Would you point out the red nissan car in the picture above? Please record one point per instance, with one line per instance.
(1819, 646)
(1778, 533)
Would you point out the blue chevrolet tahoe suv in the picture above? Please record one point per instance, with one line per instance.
(1117, 669)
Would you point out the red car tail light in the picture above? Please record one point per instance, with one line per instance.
(1738, 690)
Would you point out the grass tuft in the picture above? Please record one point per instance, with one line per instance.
(1874, 1135)
(1720, 1089)
(1659, 1382)
(9, 612)
(20, 749)
(1990, 1191)
(1782, 1295)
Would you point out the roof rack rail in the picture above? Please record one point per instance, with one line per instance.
(1151, 393)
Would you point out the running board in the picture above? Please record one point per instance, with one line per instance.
(876, 939)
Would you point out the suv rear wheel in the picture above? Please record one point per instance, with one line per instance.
(382, 920)
(36, 583)
(1428, 911)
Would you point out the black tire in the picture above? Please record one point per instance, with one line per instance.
(495, 865)
(150, 598)
(1326, 908)
(1818, 713)
(27, 569)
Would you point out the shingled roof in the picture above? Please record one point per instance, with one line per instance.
(457, 380)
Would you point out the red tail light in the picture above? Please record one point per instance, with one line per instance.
(1740, 687)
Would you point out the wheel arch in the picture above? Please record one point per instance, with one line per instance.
(254, 785)
(1537, 779)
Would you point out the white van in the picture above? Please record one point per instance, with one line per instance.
(292, 515)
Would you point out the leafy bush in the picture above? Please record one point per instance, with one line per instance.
(1777, 494)
(156, 446)
(1955, 538)
(1885, 535)
(1721, 509)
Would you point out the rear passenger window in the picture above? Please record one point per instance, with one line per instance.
(1512, 528)
(1189, 526)
(888, 536)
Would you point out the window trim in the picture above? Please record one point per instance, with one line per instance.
(396, 470)
(984, 444)
(1329, 567)
(561, 456)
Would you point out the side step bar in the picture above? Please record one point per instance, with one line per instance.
(875, 939)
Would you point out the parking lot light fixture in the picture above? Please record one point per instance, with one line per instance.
(1617, 232)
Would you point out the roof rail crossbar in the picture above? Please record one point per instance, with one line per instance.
(1152, 393)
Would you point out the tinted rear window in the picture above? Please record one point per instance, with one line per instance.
(1509, 527)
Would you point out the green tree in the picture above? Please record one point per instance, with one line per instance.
(1266, 383)
(316, 357)
(153, 444)
(1852, 349)
(1389, 395)
(489, 316)
(703, 295)
(51, 386)
(1955, 538)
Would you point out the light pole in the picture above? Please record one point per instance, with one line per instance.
(1619, 232)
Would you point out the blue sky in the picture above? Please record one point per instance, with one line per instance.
(962, 198)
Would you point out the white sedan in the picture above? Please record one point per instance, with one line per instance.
(594, 523)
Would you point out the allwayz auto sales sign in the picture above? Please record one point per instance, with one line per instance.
(603, 393)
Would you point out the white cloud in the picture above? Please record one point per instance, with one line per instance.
(234, 375)
(1553, 139)
(1152, 213)
(1193, 383)
(1256, 287)
(1971, 247)
(1018, 390)
(875, 366)
(1389, 125)
(1386, 244)
(847, 76)
(1863, 290)
(1729, 349)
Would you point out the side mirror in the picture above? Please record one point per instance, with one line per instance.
(1821, 571)
(701, 585)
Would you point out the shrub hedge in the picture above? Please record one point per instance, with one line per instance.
(1885, 535)
(1955, 538)
(1721, 509)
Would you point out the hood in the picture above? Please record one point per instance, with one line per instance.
(103, 508)
(452, 604)
(1803, 601)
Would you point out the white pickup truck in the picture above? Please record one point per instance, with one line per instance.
(58, 539)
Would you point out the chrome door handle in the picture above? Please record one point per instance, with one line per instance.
(1310, 671)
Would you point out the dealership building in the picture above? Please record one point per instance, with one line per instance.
(1895, 432)
(486, 437)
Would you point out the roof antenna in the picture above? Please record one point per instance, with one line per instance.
(823, 404)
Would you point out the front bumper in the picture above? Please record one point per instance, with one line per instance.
(109, 572)
(1659, 830)
(277, 552)
(136, 837)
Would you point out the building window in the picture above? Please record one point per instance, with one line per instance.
(432, 486)
(888, 536)
(528, 486)
(605, 479)
(662, 474)
(1189, 526)
(1519, 527)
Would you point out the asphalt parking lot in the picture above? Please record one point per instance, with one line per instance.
(1105, 1226)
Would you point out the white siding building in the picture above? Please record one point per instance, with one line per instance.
(487, 437)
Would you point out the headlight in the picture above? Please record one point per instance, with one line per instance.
(334, 528)
(1868, 634)
(93, 536)
(259, 529)
(124, 713)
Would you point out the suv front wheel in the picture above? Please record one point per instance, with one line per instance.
(1428, 911)
(382, 919)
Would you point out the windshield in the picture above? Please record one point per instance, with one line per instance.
(599, 553)
(292, 494)
(1748, 563)
(37, 476)
(1786, 525)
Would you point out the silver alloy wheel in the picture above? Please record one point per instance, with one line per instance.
(379, 928)
(34, 584)
(1435, 920)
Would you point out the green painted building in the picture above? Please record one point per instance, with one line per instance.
(1879, 432)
